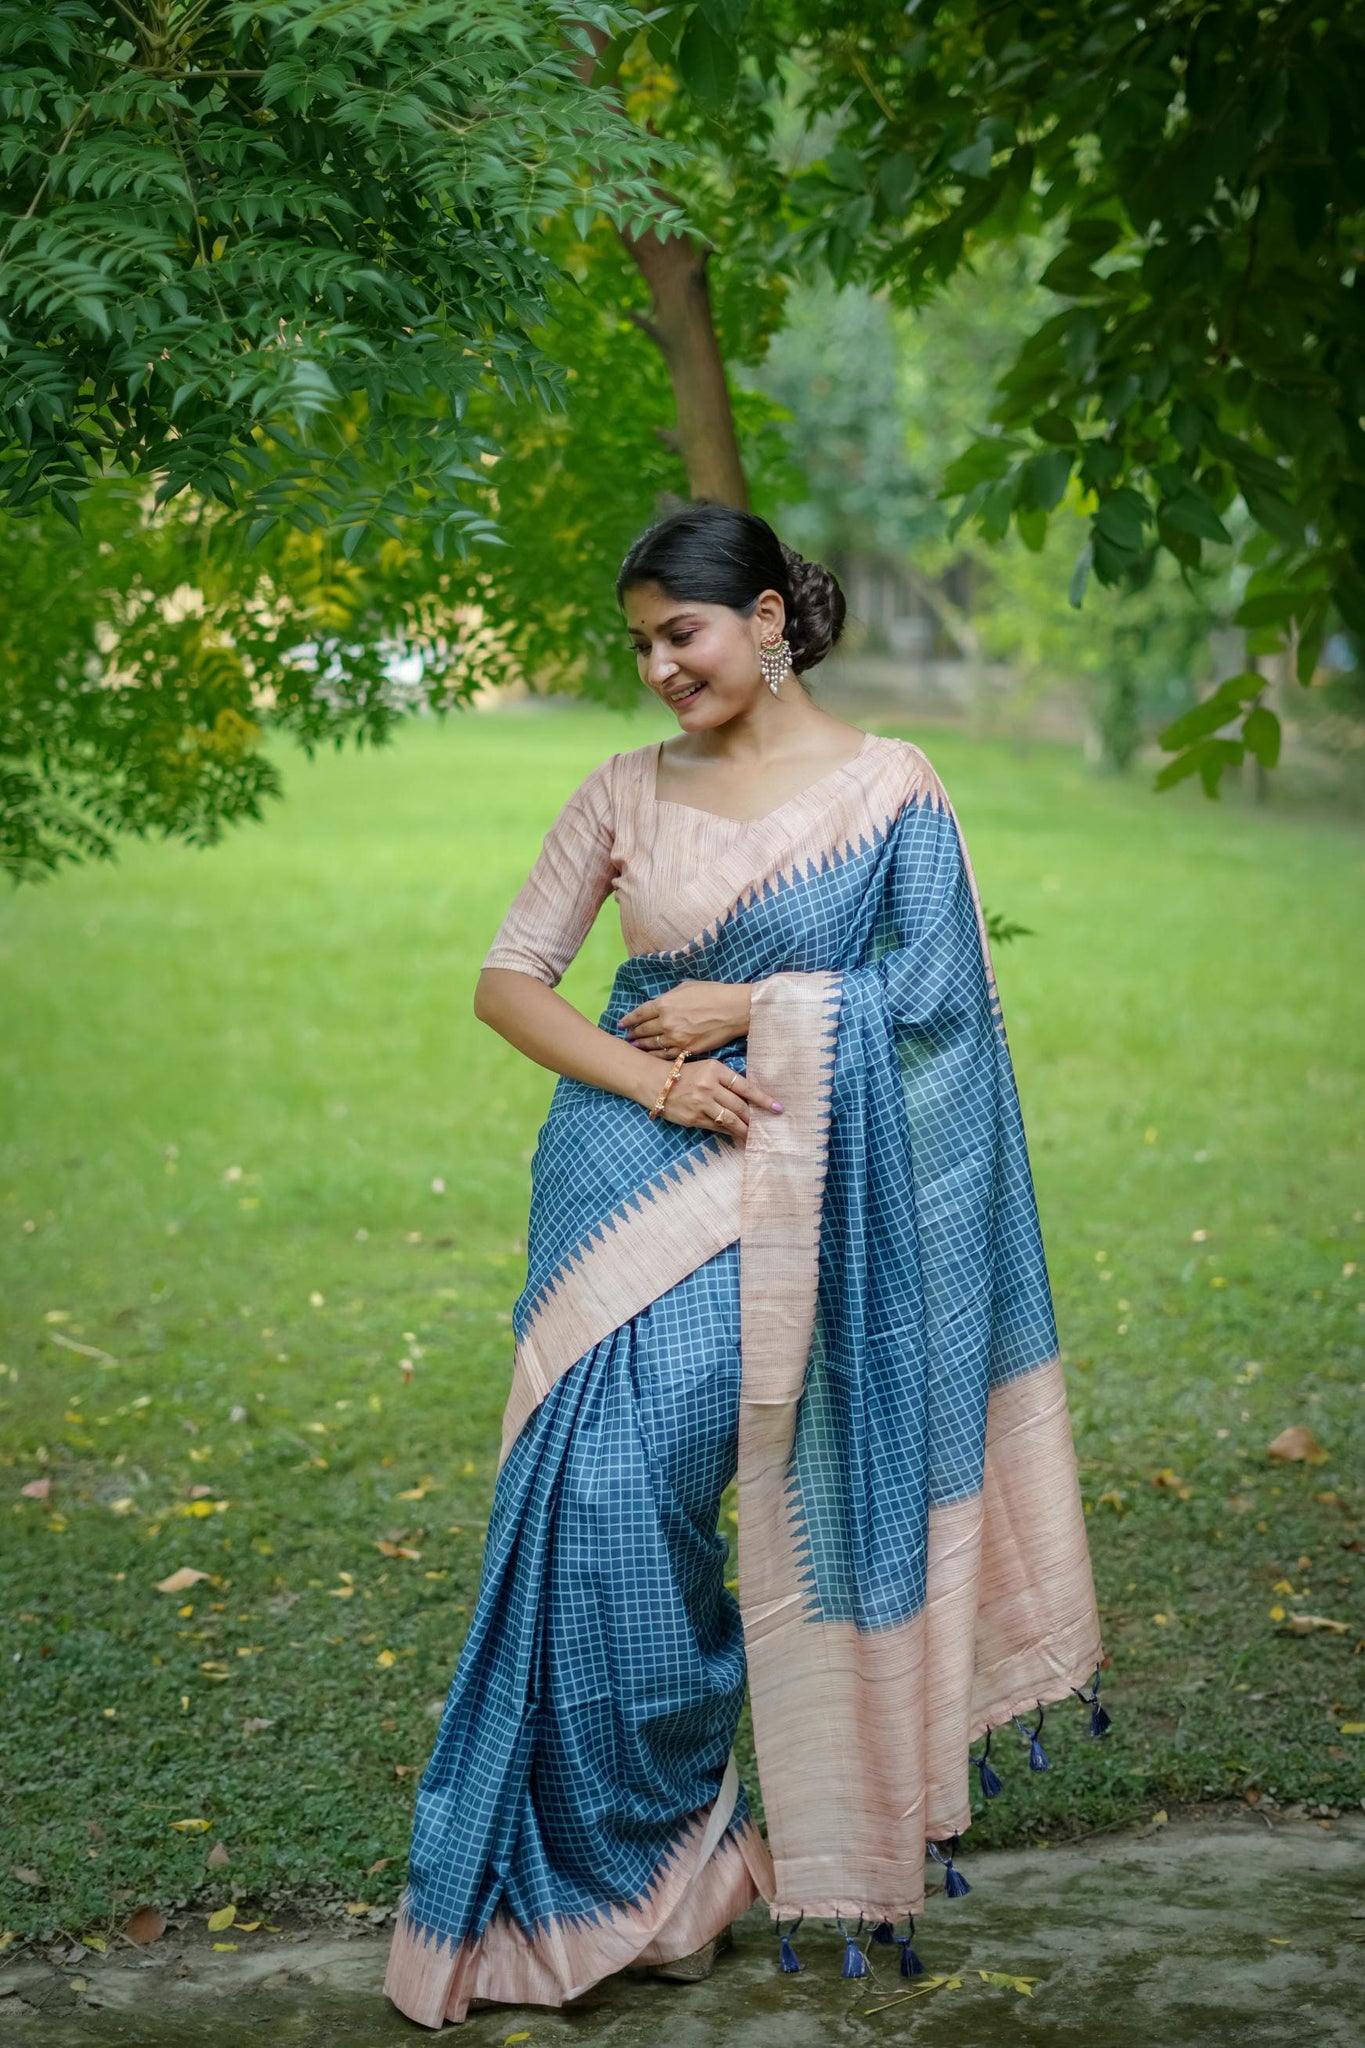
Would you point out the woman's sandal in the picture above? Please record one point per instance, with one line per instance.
(691, 1969)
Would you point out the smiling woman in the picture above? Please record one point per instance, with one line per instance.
(840, 1295)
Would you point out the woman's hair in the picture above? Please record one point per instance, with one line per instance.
(713, 554)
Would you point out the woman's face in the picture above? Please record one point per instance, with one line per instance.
(701, 660)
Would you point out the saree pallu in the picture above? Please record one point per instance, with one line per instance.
(852, 1312)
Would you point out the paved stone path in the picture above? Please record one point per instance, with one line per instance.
(1222, 1933)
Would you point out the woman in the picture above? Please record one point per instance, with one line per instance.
(781, 1222)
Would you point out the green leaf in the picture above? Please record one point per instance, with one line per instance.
(1192, 513)
(1219, 708)
(983, 462)
(1080, 576)
(707, 62)
(1261, 733)
(1043, 479)
(726, 17)
(1121, 519)
(1032, 524)
(1274, 513)
(1270, 608)
(1207, 759)
(898, 179)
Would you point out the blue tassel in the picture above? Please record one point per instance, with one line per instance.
(855, 1962)
(1099, 1719)
(955, 1885)
(911, 1966)
(990, 1784)
(1037, 1755)
(787, 1957)
(884, 1933)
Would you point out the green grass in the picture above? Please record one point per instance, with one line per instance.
(228, 1082)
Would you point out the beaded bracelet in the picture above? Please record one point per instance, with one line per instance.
(673, 1074)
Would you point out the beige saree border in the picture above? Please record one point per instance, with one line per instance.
(637, 1254)
(1009, 1619)
(710, 1879)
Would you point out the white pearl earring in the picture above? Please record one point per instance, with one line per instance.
(774, 659)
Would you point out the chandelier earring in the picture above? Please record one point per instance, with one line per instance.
(774, 659)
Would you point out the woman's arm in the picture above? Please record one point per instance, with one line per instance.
(539, 1022)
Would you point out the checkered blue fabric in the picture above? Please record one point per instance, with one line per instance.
(596, 1696)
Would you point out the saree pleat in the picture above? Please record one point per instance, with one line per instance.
(851, 1313)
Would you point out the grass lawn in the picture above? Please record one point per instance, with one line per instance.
(255, 1153)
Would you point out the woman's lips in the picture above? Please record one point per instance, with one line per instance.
(690, 697)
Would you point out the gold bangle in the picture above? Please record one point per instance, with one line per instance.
(673, 1074)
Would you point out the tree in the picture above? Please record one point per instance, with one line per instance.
(267, 252)
(257, 265)
(1204, 167)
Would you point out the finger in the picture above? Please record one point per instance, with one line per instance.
(642, 1015)
(736, 1106)
(756, 1094)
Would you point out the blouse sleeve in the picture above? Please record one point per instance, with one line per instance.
(554, 910)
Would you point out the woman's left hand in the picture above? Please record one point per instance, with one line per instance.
(696, 1016)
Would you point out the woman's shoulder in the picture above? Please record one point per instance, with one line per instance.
(614, 787)
(910, 768)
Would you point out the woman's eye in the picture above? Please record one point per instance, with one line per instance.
(681, 639)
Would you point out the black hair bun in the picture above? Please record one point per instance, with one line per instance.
(817, 609)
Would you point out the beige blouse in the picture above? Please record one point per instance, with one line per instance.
(672, 867)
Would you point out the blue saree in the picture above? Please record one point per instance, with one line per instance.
(852, 1314)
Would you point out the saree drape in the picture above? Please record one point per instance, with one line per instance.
(853, 1313)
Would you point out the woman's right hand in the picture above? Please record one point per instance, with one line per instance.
(710, 1096)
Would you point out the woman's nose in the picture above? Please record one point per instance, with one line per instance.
(661, 669)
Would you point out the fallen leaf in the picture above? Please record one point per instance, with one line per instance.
(190, 1827)
(1297, 1444)
(37, 1489)
(181, 1581)
(224, 1917)
(382, 1864)
(1160, 1817)
(7, 1935)
(96, 1942)
(146, 1925)
(225, 1948)
(27, 1875)
(360, 1906)
(1005, 1982)
(1352, 1728)
(218, 1857)
(388, 1549)
(246, 1926)
(385, 1659)
(254, 1725)
(1305, 1624)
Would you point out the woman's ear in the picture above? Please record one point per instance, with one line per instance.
(770, 616)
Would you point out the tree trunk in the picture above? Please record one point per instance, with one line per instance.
(680, 323)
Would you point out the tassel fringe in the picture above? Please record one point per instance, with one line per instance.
(955, 1885)
(911, 1966)
(1037, 1755)
(1099, 1719)
(787, 1958)
(855, 1962)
